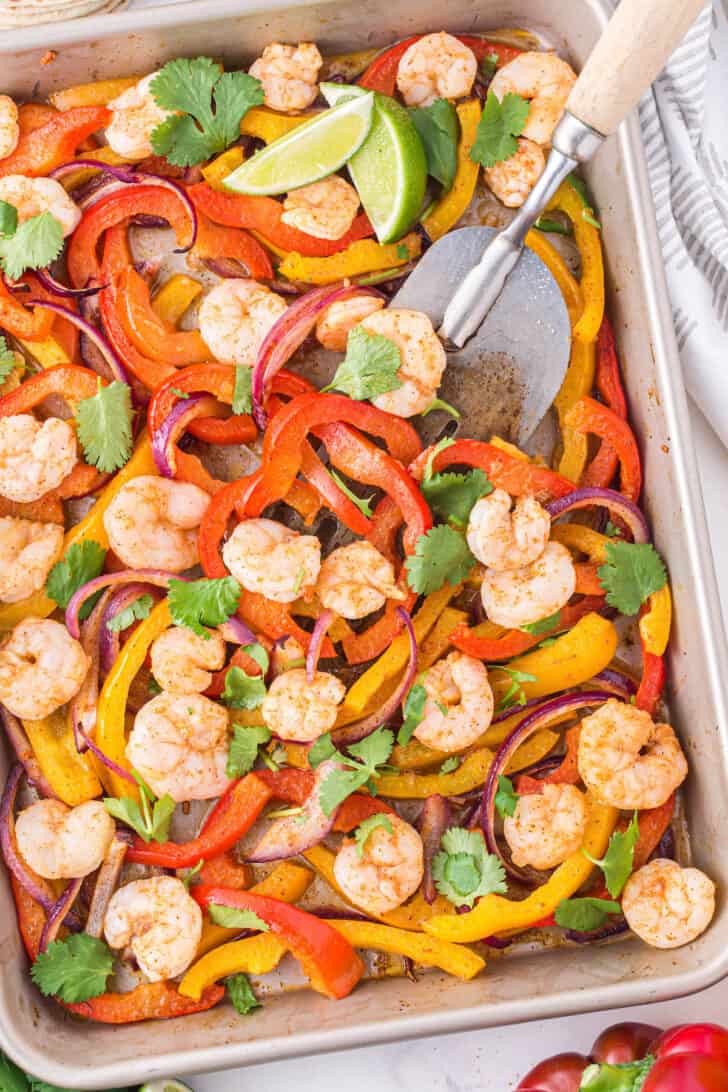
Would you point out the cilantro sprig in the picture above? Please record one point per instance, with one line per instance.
(243, 389)
(357, 768)
(632, 573)
(34, 244)
(441, 556)
(362, 503)
(104, 426)
(233, 917)
(244, 748)
(200, 603)
(414, 711)
(82, 562)
(244, 691)
(453, 496)
(74, 969)
(501, 123)
(439, 129)
(208, 106)
(506, 799)
(135, 612)
(617, 862)
(463, 870)
(369, 368)
(367, 827)
(515, 694)
(9, 360)
(152, 820)
(241, 994)
(584, 915)
(544, 625)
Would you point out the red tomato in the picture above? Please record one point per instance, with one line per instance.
(624, 1043)
(562, 1073)
(688, 1073)
(707, 1039)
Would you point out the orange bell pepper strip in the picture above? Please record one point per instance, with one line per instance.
(98, 93)
(63, 332)
(263, 214)
(565, 774)
(50, 145)
(602, 468)
(589, 416)
(654, 628)
(32, 115)
(326, 957)
(146, 330)
(216, 241)
(234, 814)
(217, 379)
(224, 871)
(381, 75)
(514, 642)
(22, 322)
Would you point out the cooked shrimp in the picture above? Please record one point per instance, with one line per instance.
(438, 66)
(628, 761)
(512, 179)
(266, 557)
(546, 827)
(325, 209)
(182, 661)
(235, 317)
(522, 596)
(179, 744)
(28, 551)
(41, 668)
(159, 921)
(422, 358)
(459, 704)
(356, 580)
(152, 523)
(9, 128)
(297, 709)
(503, 539)
(62, 843)
(136, 114)
(33, 196)
(289, 75)
(667, 905)
(35, 456)
(389, 870)
(546, 81)
(332, 329)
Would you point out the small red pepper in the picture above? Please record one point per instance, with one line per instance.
(381, 75)
(588, 415)
(652, 682)
(601, 470)
(50, 145)
(326, 957)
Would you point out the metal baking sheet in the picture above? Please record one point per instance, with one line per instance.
(532, 985)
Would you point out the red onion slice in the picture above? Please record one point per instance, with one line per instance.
(617, 504)
(165, 439)
(110, 640)
(113, 361)
(323, 622)
(295, 834)
(160, 578)
(236, 632)
(49, 281)
(616, 681)
(342, 737)
(435, 819)
(25, 754)
(58, 912)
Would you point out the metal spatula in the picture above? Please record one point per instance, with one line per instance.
(496, 305)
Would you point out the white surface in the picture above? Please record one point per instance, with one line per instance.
(494, 1061)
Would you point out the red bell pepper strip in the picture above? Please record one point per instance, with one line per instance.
(601, 470)
(22, 322)
(515, 641)
(587, 579)
(326, 957)
(295, 786)
(652, 822)
(263, 214)
(225, 871)
(565, 774)
(71, 381)
(232, 817)
(381, 75)
(32, 115)
(44, 148)
(118, 208)
(63, 331)
(217, 379)
(147, 1001)
(588, 415)
(652, 682)
(148, 332)
(216, 241)
(516, 476)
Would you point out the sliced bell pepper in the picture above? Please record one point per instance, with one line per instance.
(444, 214)
(175, 296)
(602, 468)
(265, 124)
(256, 955)
(506, 472)
(565, 774)
(217, 379)
(43, 149)
(381, 75)
(98, 93)
(364, 256)
(147, 331)
(71, 381)
(470, 774)
(295, 786)
(579, 538)
(495, 914)
(454, 959)
(654, 628)
(61, 347)
(215, 241)
(652, 682)
(327, 959)
(263, 214)
(219, 168)
(32, 115)
(589, 416)
(652, 823)
(22, 322)
(224, 870)
(493, 643)
(587, 579)
(549, 255)
(70, 775)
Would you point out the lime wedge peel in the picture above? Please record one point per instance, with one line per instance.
(310, 152)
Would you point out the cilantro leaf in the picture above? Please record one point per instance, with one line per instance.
(243, 691)
(414, 711)
(543, 625)
(104, 426)
(500, 124)
(369, 368)
(74, 969)
(451, 764)
(12, 1077)
(82, 562)
(441, 556)
(368, 826)
(488, 66)
(362, 503)
(34, 245)
(439, 129)
(463, 870)
(355, 771)
(241, 994)
(8, 362)
(189, 878)
(200, 603)
(612, 530)
(151, 819)
(135, 612)
(321, 750)
(584, 915)
(8, 218)
(232, 917)
(633, 571)
(259, 654)
(196, 131)
(244, 746)
(616, 864)
(514, 695)
(374, 749)
(506, 799)
(243, 389)
(441, 445)
(452, 496)
(443, 406)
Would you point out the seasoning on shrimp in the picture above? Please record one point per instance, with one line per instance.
(62, 843)
(520, 597)
(546, 81)
(153, 522)
(268, 558)
(35, 456)
(183, 661)
(505, 539)
(422, 355)
(512, 179)
(9, 128)
(459, 705)
(41, 668)
(667, 905)
(289, 75)
(296, 709)
(135, 116)
(386, 872)
(324, 209)
(234, 318)
(356, 580)
(341, 316)
(28, 551)
(32, 196)
(158, 921)
(437, 66)
(546, 827)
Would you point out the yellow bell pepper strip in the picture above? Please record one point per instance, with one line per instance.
(363, 256)
(111, 709)
(70, 775)
(175, 296)
(347, 66)
(91, 527)
(570, 290)
(471, 773)
(288, 882)
(533, 750)
(655, 622)
(47, 353)
(339, 629)
(98, 93)
(438, 642)
(254, 955)
(498, 732)
(84, 174)
(495, 914)
(410, 916)
(266, 124)
(455, 959)
(223, 165)
(510, 449)
(578, 537)
(445, 213)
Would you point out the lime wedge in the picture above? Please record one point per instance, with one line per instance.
(308, 153)
(390, 169)
(169, 1084)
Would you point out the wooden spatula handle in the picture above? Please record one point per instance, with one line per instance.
(633, 49)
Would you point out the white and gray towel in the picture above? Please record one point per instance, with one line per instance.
(685, 132)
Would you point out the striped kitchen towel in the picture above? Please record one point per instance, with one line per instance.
(685, 133)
